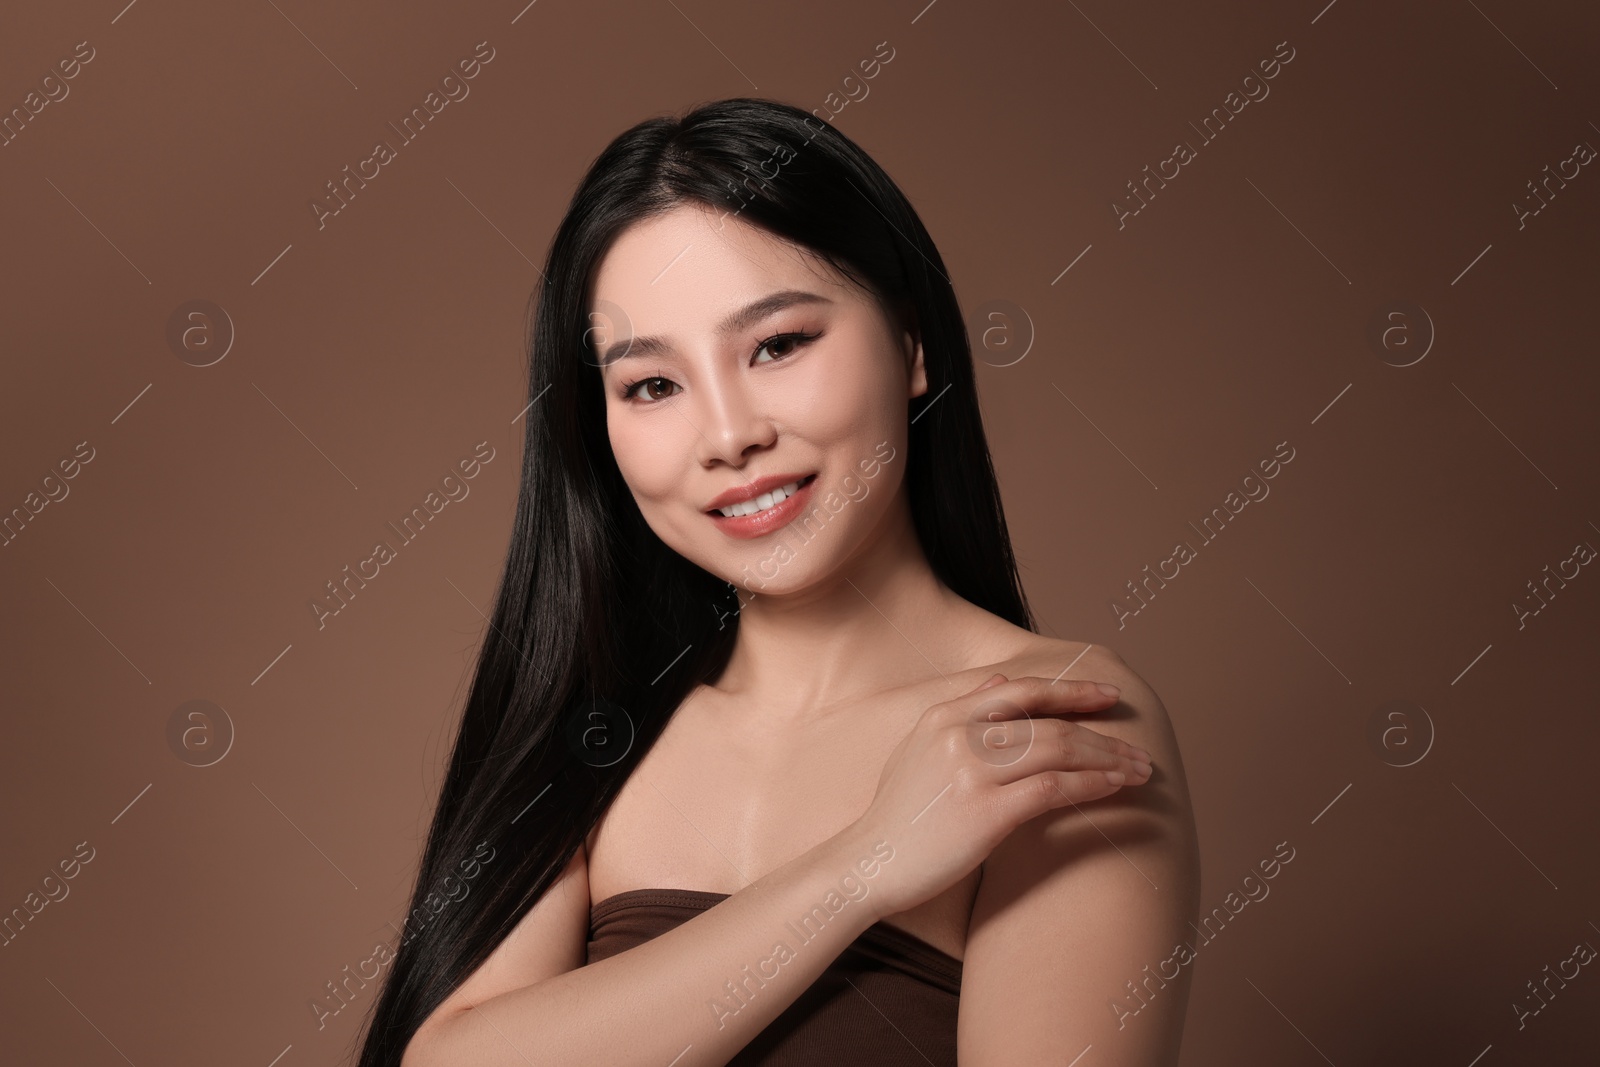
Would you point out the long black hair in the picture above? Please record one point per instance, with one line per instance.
(599, 629)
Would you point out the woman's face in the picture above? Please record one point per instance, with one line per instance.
(705, 401)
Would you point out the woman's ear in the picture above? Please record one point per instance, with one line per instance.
(911, 346)
(918, 372)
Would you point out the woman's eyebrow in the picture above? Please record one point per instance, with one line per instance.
(751, 313)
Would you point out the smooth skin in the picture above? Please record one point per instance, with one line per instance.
(864, 703)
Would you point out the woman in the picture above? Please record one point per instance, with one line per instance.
(761, 688)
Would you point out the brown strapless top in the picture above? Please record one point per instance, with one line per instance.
(889, 998)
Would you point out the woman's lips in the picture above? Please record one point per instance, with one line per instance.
(764, 522)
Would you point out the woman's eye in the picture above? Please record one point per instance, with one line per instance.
(649, 385)
(657, 388)
(793, 340)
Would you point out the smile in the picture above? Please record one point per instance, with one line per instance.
(766, 512)
(764, 501)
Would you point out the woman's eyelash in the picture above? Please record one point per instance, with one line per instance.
(629, 387)
(800, 337)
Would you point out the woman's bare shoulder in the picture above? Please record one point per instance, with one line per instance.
(1063, 659)
(1139, 717)
(1016, 652)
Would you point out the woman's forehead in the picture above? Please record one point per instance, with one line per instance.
(683, 272)
(689, 248)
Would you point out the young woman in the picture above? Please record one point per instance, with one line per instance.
(763, 761)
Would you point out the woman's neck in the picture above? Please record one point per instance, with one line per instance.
(883, 619)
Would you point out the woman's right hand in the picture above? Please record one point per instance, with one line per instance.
(976, 767)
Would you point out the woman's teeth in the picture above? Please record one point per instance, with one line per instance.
(760, 503)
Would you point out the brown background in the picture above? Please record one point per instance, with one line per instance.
(1230, 315)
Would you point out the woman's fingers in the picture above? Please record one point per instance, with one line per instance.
(1020, 698)
(1022, 756)
(1002, 726)
(1030, 797)
(1034, 695)
(1024, 747)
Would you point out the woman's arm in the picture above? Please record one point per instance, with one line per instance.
(1076, 933)
(691, 997)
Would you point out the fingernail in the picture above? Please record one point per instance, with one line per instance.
(1142, 767)
(1116, 777)
(1108, 690)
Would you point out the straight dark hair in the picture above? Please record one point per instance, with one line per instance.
(599, 629)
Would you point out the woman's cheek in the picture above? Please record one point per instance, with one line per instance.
(824, 405)
(626, 451)
(650, 461)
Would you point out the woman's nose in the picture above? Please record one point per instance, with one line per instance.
(733, 423)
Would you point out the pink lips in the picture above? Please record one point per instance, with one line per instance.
(764, 522)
